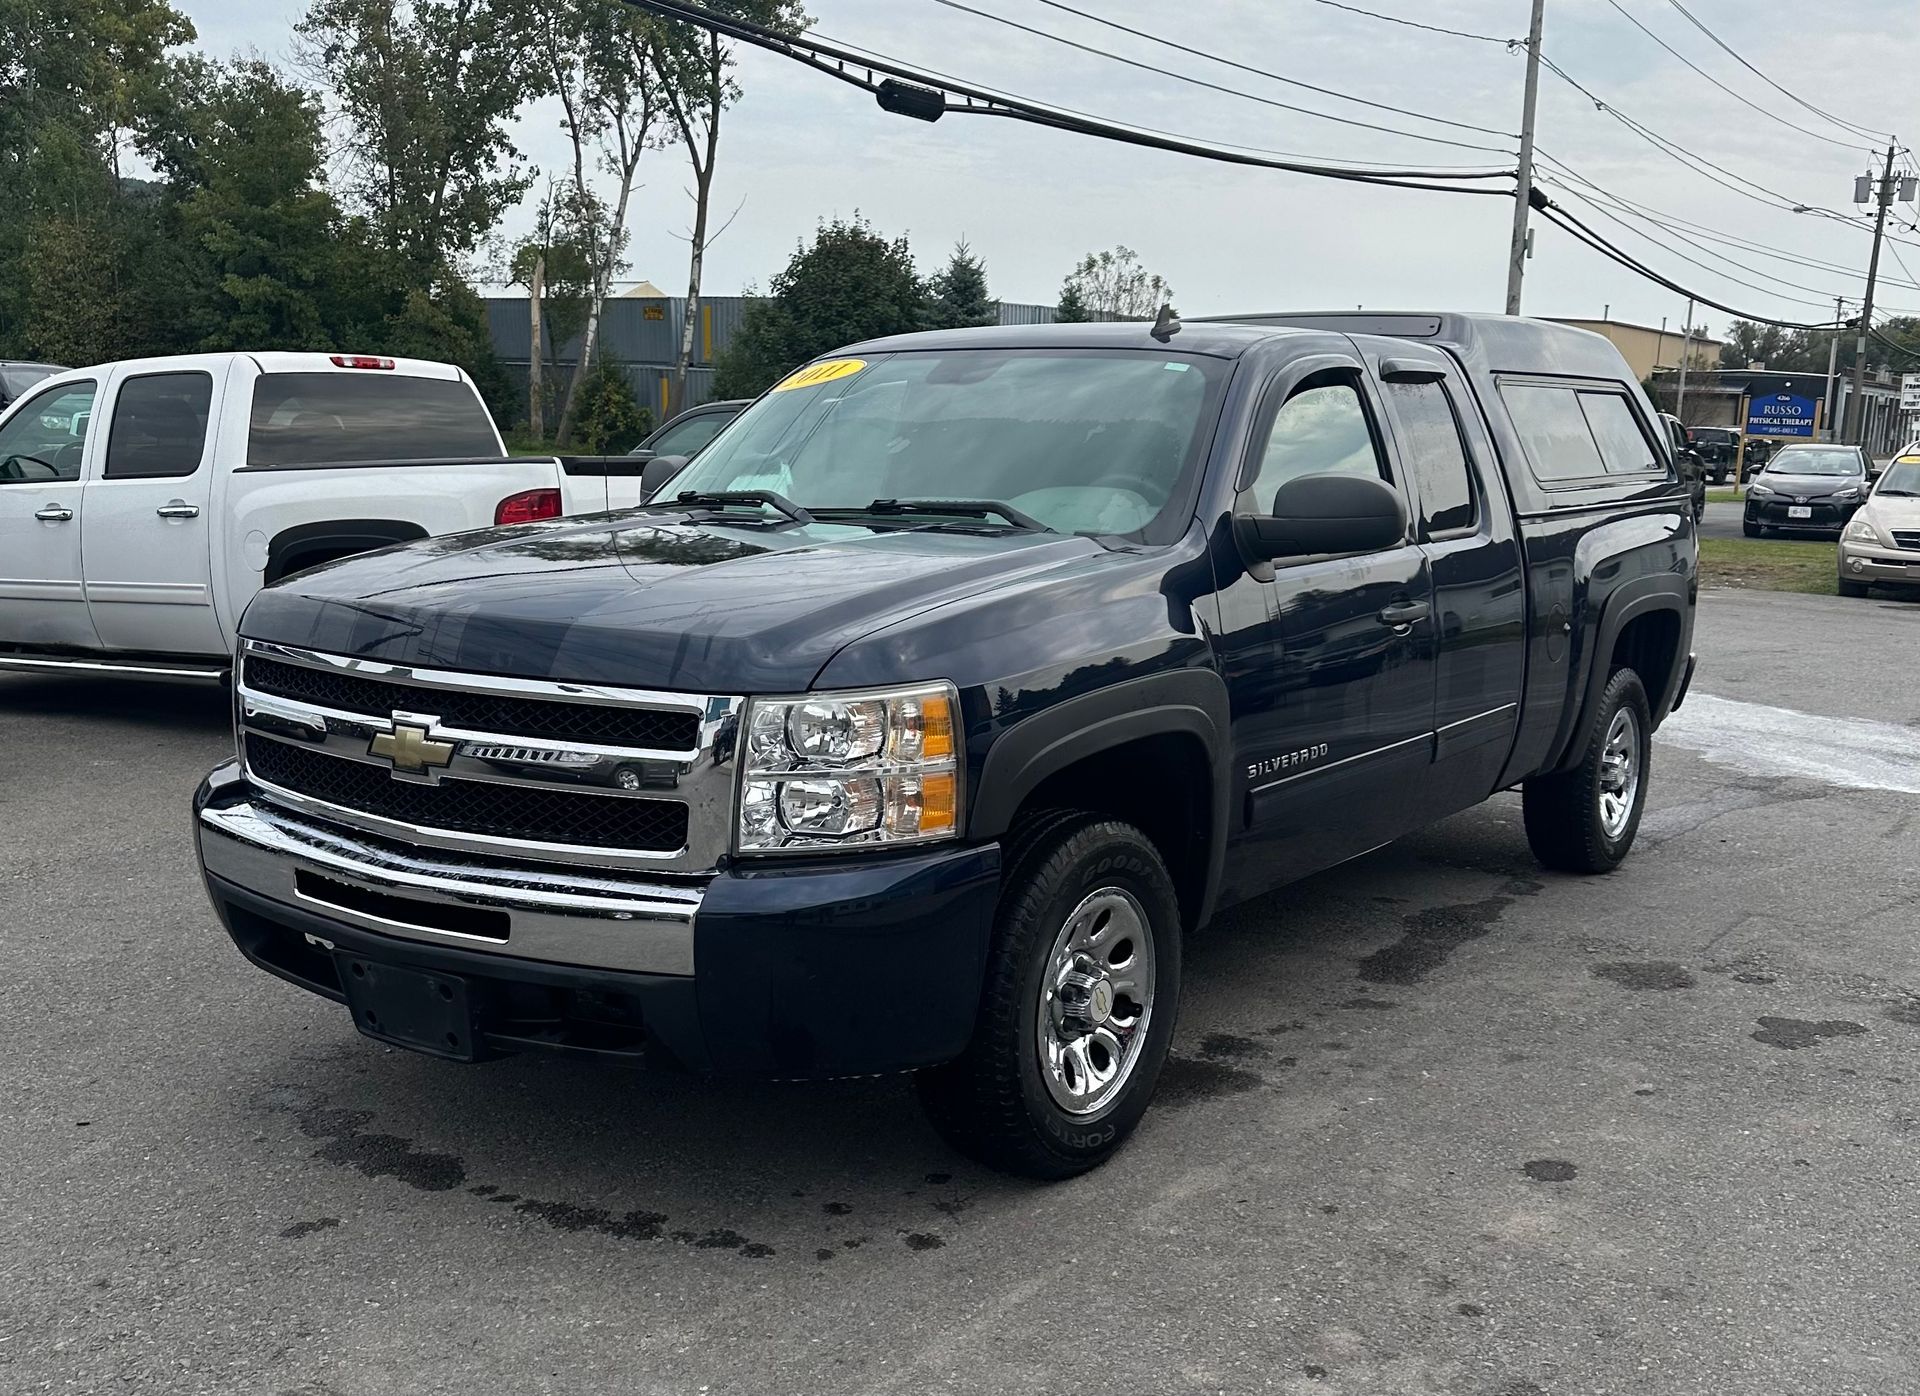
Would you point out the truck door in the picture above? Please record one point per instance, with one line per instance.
(42, 452)
(1333, 690)
(147, 550)
(1466, 528)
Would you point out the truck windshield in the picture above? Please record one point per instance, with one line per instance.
(1084, 441)
(1902, 477)
(366, 415)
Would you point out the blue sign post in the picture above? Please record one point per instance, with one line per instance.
(1781, 414)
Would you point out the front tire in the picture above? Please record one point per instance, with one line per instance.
(1584, 820)
(1082, 986)
(1751, 529)
(1853, 589)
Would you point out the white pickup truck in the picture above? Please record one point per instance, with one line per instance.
(143, 503)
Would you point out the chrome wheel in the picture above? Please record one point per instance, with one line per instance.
(1096, 998)
(1619, 772)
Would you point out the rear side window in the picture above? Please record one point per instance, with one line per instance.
(684, 438)
(1624, 448)
(365, 415)
(159, 426)
(1434, 454)
(1554, 430)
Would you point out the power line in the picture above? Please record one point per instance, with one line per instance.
(1414, 23)
(1265, 72)
(1725, 48)
(1774, 116)
(928, 94)
(1217, 87)
(1690, 232)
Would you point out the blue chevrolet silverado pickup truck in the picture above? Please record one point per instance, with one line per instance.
(920, 718)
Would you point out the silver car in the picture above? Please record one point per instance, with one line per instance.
(1881, 542)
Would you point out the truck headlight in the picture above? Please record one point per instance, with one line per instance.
(1860, 531)
(835, 770)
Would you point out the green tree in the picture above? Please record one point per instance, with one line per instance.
(1072, 309)
(957, 293)
(1115, 286)
(612, 421)
(427, 89)
(849, 284)
(241, 149)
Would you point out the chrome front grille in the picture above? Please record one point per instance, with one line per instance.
(1906, 537)
(563, 772)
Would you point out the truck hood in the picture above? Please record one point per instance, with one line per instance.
(645, 600)
(1893, 511)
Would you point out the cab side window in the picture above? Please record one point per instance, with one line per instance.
(1435, 456)
(159, 426)
(46, 437)
(1321, 430)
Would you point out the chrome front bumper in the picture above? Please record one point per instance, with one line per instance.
(571, 916)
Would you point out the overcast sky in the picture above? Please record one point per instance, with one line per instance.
(800, 147)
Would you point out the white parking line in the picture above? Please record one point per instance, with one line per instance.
(1768, 741)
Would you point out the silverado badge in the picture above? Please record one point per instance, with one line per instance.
(410, 749)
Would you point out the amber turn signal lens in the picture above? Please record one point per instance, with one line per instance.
(938, 803)
(936, 727)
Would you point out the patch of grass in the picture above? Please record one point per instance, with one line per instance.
(1763, 564)
(1726, 496)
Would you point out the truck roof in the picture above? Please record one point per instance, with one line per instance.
(1501, 343)
(281, 362)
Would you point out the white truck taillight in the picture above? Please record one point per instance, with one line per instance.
(528, 506)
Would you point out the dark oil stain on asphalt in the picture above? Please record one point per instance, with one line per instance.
(1646, 974)
(1315, 1371)
(482, 1189)
(1189, 1080)
(1430, 937)
(1217, 1046)
(1791, 1034)
(307, 1228)
(923, 1241)
(1469, 1310)
(1754, 979)
(1908, 1013)
(566, 1216)
(377, 1155)
(824, 1254)
(1550, 1170)
(836, 1209)
(1280, 1028)
(1372, 1005)
(938, 1178)
(952, 1206)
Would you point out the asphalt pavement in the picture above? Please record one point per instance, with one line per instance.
(1438, 1121)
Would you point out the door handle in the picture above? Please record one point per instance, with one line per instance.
(178, 509)
(1402, 614)
(53, 513)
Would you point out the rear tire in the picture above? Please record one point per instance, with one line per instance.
(1086, 941)
(1584, 820)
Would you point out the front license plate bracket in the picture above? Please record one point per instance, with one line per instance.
(417, 1009)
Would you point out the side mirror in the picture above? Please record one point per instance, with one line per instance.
(1317, 515)
(657, 471)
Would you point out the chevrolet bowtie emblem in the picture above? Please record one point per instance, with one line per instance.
(411, 749)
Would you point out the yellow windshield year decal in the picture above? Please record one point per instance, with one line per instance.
(813, 375)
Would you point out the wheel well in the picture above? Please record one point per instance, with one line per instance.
(309, 545)
(1160, 785)
(1649, 645)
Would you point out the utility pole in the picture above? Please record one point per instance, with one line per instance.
(536, 406)
(1686, 357)
(1523, 183)
(1857, 409)
(1833, 362)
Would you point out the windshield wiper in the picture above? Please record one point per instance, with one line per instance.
(935, 508)
(766, 499)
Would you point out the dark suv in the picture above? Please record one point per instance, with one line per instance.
(960, 680)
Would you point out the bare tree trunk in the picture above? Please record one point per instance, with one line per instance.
(703, 185)
(536, 396)
(609, 255)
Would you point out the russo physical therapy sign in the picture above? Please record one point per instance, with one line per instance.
(1781, 414)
